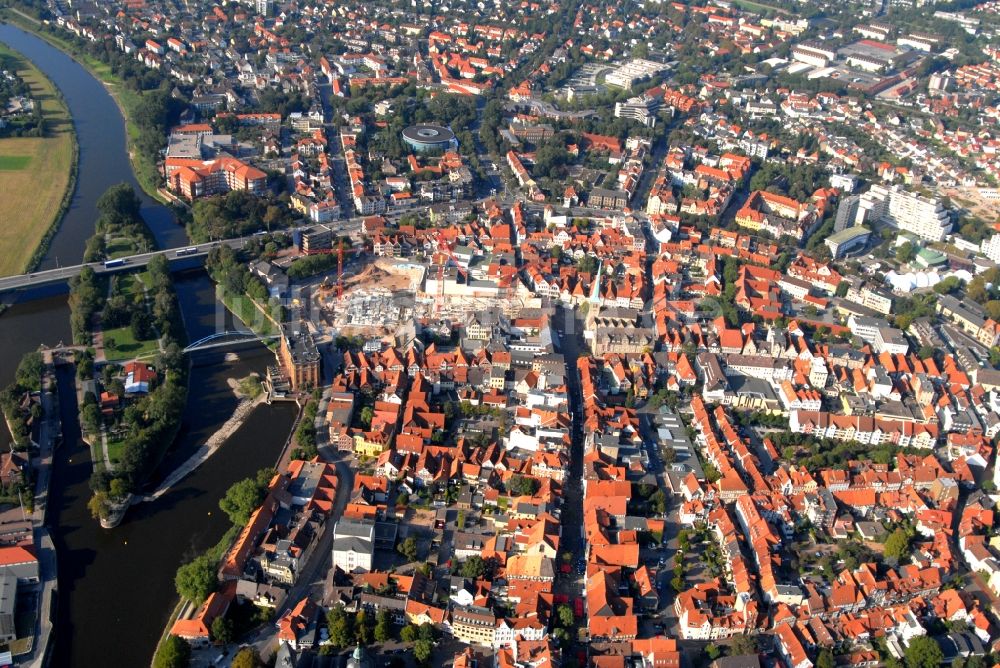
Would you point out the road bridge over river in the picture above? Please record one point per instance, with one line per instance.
(132, 262)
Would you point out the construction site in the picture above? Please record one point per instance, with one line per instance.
(372, 302)
(376, 296)
(389, 292)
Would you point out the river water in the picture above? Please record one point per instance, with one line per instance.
(100, 134)
(116, 587)
(122, 579)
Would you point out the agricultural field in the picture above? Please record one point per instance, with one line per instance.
(14, 163)
(35, 173)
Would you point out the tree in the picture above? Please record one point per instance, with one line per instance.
(712, 651)
(587, 264)
(383, 626)
(119, 204)
(118, 489)
(247, 658)
(923, 652)
(825, 659)
(340, 626)
(99, 505)
(905, 253)
(948, 285)
(426, 632)
(174, 652)
(408, 548)
(422, 650)
(241, 499)
(222, 630)
(409, 633)
(473, 567)
(897, 545)
(566, 616)
(196, 580)
(975, 662)
(742, 645)
(521, 485)
(141, 324)
(29, 372)
(659, 502)
(363, 629)
(366, 417)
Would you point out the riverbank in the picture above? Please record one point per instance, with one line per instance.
(228, 428)
(144, 167)
(218, 551)
(37, 174)
(127, 574)
(47, 562)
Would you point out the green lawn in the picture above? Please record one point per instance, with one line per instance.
(21, 645)
(35, 173)
(115, 449)
(243, 308)
(134, 283)
(121, 247)
(125, 346)
(14, 163)
(760, 7)
(142, 281)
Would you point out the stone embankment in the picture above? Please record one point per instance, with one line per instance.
(242, 412)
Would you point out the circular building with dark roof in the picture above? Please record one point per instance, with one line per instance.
(423, 138)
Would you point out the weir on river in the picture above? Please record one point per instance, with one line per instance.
(116, 587)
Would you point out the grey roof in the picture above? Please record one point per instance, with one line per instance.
(354, 528)
(352, 544)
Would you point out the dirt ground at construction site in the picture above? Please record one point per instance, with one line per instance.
(376, 299)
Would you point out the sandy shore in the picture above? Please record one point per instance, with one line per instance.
(229, 427)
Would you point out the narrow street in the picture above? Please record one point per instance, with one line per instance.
(312, 576)
(572, 584)
(975, 585)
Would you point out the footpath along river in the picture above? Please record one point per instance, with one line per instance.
(116, 587)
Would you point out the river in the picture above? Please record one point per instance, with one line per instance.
(103, 161)
(116, 587)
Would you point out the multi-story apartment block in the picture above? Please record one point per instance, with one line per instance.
(198, 178)
(640, 109)
(924, 216)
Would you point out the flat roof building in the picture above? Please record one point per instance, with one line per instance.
(846, 240)
(423, 138)
(924, 216)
